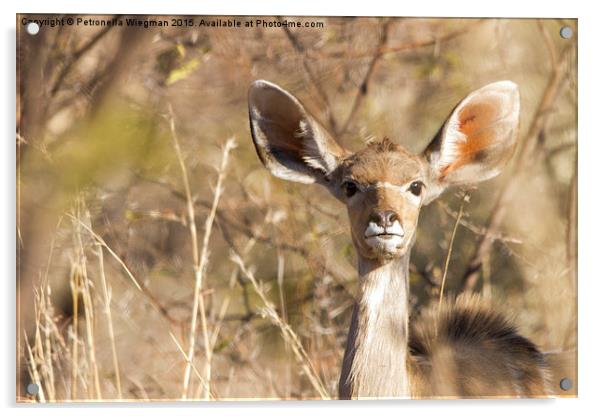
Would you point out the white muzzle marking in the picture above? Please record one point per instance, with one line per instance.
(386, 239)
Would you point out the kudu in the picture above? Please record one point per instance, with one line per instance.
(465, 347)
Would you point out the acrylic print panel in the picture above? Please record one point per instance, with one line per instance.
(236, 208)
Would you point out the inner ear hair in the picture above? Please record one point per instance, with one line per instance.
(478, 138)
(290, 142)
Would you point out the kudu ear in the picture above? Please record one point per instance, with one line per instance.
(288, 140)
(477, 140)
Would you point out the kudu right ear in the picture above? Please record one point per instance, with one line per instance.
(289, 141)
(477, 140)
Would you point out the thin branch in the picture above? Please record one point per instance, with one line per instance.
(435, 40)
(475, 229)
(226, 220)
(75, 57)
(363, 88)
(298, 46)
(549, 43)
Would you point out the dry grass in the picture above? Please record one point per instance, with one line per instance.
(290, 338)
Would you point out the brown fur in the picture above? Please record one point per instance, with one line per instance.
(469, 349)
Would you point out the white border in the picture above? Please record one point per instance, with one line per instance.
(590, 290)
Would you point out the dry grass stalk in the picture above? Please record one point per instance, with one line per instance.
(74, 285)
(43, 350)
(280, 279)
(102, 242)
(44, 308)
(200, 257)
(47, 349)
(196, 371)
(33, 371)
(43, 345)
(226, 302)
(106, 292)
(290, 337)
(145, 292)
(48, 368)
(465, 199)
(83, 284)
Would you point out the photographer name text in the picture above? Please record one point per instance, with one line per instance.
(204, 22)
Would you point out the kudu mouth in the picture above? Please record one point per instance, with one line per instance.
(385, 239)
(376, 230)
(384, 235)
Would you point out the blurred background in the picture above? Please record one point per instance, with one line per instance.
(138, 181)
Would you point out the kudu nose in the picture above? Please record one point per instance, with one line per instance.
(384, 218)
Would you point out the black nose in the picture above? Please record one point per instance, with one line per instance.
(384, 218)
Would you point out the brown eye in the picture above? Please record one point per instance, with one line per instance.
(416, 187)
(350, 188)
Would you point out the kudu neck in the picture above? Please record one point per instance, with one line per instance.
(375, 358)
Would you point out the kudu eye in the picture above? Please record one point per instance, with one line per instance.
(416, 187)
(350, 188)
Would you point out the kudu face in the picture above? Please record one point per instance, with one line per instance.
(383, 185)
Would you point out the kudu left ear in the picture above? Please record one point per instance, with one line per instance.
(289, 141)
(477, 140)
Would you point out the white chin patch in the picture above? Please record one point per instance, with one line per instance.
(385, 243)
(384, 239)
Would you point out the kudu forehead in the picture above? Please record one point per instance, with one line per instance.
(384, 162)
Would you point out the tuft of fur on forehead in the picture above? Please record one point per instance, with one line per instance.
(384, 161)
(385, 145)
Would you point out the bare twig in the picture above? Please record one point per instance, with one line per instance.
(475, 229)
(363, 88)
(549, 44)
(75, 57)
(228, 222)
(313, 78)
(435, 40)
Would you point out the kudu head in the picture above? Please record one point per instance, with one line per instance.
(383, 185)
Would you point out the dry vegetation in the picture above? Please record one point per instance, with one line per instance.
(157, 259)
